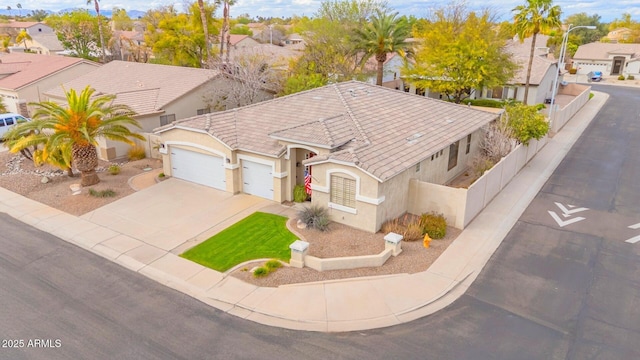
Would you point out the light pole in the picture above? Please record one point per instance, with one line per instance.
(563, 50)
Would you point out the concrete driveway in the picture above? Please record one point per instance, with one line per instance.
(175, 214)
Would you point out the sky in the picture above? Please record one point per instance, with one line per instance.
(608, 10)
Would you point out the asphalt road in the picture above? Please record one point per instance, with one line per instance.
(549, 291)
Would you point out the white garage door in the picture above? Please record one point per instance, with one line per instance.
(257, 179)
(198, 168)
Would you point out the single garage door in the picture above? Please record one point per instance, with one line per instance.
(198, 168)
(257, 179)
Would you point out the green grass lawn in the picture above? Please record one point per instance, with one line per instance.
(257, 236)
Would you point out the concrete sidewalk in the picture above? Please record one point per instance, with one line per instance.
(342, 305)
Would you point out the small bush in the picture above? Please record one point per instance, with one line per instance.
(630, 77)
(316, 217)
(114, 169)
(485, 102)
(102, 193)
(621, 77)
(480, 164)
(136, 153)
(393, 226)
(435, 225)
(260, 272)
(273, 264)
(413, 232)
(300, 194)
(573, 71)
(591, 95)
(161, 175)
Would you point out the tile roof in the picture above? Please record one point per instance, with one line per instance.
(49, 41)
(602, 51)
(540, 65)
(380, 130)
(147, 88)
(24, 69)
(19, 24)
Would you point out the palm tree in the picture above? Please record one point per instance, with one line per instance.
(19, 6)
(531, 19)
(384, 34)
(76, 128)
(97, 6)
(205, 28)
(225, 25)
(23, 36)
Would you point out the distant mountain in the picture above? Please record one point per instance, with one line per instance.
(134, 14)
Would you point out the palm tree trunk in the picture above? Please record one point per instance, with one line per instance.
(205, 29)
(104, 53)
(380, 73)
(531, 55)
(86, 159)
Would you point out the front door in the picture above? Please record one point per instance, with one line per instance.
(617, 66)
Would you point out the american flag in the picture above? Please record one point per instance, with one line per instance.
(307, 182)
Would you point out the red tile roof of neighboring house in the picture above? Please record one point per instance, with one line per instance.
(23, 69)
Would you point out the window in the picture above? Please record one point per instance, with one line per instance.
(167, 119)
(468, 144)
(9, 121)
(343, 191)
(453, 155)
(418, 167)
(420, 91)
(203, 111)
(496, 93)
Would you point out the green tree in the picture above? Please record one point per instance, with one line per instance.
(96, 4)
(38, 15)
(78, 32)
(351, 11)
(3, 107)
(77, 126)
(241, 30)
(531, 19)
(385, 33)
(121, 19)
(457, 52)
(526, 122)
(22, 37)
(627, 22)
(176, 38)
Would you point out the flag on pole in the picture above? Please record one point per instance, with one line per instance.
(307, 182)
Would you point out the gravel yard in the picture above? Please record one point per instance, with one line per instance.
(19, 175)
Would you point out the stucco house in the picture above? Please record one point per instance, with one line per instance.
(24, 77)
(360, 143)
(13, 28)
(391, 70)
(159, 94)
(611, 59)
(622, 34)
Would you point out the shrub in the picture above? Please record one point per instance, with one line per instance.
(433, 224)
(273, 264)
(260, 272)
(480, 164)
(591, 95)
(316, 217)
(573, 71)
(526, 122)
(300, 194)
(114, 169)
(413, 232)
(621, 77)
(161, 175)
(136, 153)
(630, 77)
(392, 226)
(102, 193)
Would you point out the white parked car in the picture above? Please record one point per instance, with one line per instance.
(9, 120)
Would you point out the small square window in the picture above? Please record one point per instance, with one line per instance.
(418, 167)
(441, 152)
(432, 157)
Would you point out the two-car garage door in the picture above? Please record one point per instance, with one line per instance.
(198, 168)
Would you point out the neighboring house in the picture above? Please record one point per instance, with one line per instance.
(610, 59)
(47, 44)
(159, 94)
(278, 57)
(543, 72)
(32, 28)
(130, 46)
(295, 42)
(25, 77)
(360, 143)
(390, 70)
(622, 34)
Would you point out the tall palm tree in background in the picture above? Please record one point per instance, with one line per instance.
(531, 19)
(205, 28)
(384, 34)
(224, 36)
(97, 6)
(70, 133)
(19, 6)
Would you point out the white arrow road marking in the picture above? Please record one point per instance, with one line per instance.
(633, 240)
(635, 226)
(567, 212)
(564, 223)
